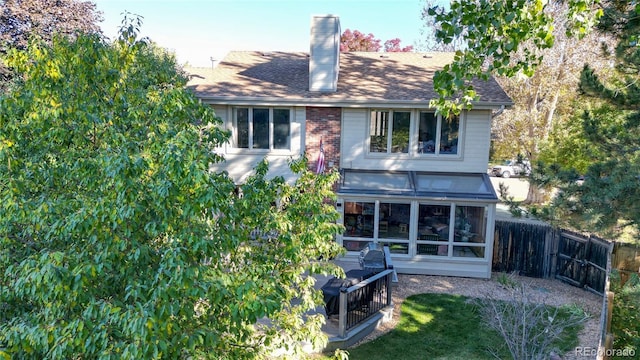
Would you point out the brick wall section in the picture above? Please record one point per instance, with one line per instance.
(323, 123)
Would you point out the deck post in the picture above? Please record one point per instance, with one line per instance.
(389, 263)
(388, 280)
(342, 313)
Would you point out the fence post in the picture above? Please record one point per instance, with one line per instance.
(555, 248)
(388, 285)
(608, 343)
(610, 296)
(342, 313)
(606, 338)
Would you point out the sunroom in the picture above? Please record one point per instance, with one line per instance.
(434, 223)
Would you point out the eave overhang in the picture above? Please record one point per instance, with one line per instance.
(441, 186)
(337, 102)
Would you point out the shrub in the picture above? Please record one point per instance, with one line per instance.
(625, 323)
(530, 330)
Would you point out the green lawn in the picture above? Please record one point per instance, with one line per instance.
(439, 326)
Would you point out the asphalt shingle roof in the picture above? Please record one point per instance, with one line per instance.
(363, 78)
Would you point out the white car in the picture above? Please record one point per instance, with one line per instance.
(512, 168)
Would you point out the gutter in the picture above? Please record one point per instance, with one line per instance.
(335, 102)
(498, 113)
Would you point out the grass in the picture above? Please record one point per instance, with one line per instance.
(440, 326)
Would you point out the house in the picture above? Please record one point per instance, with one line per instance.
(411, 179)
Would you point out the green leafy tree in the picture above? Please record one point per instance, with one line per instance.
(494, 32)
(547, 99)
(430, 27)
(608, 199)
(625, 323)
(118, 242)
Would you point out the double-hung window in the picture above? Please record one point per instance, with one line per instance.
(389, 131)
(437, 134)
(262, 128)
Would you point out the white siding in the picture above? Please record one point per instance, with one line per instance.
(473, 158)
(221, 112)
(353, 138)
(477, 140)
(298, 130)
(241, 162)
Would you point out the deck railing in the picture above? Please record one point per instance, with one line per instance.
(363, 300)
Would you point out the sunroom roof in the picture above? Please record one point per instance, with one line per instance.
(417, 184)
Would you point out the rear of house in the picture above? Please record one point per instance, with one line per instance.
(411, 179)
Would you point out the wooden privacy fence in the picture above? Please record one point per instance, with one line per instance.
(527, 249)
(538, 250)
(582, 260)
(626, 258)
(585, 261)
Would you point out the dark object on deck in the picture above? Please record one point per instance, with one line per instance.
(331, 290)
(372, 258)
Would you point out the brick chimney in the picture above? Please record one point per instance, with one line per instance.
(325, 53)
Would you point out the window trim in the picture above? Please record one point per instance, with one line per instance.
(451, 242)
(389, 131)
(414, 136)
(375, 236)
(414, 241)
(438, 137)
(233, 143)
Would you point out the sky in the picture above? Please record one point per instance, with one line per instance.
(198, 30)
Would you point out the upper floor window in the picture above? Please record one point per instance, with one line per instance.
(438, 135)
(389, 131)
(262, 128)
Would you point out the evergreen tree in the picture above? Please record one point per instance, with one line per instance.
(609, 198)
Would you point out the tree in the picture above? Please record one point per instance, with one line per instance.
(608, 199)
(393, 45)
(493, 32)
(22, 19)
(357, 41)
(119, 242)
(429, 29)
(530, 329)
(547, 98)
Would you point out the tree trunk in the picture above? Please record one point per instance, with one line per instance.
(535, 195)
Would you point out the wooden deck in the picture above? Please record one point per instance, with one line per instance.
(331, 325)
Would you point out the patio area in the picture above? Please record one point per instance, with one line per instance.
(332, 327)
